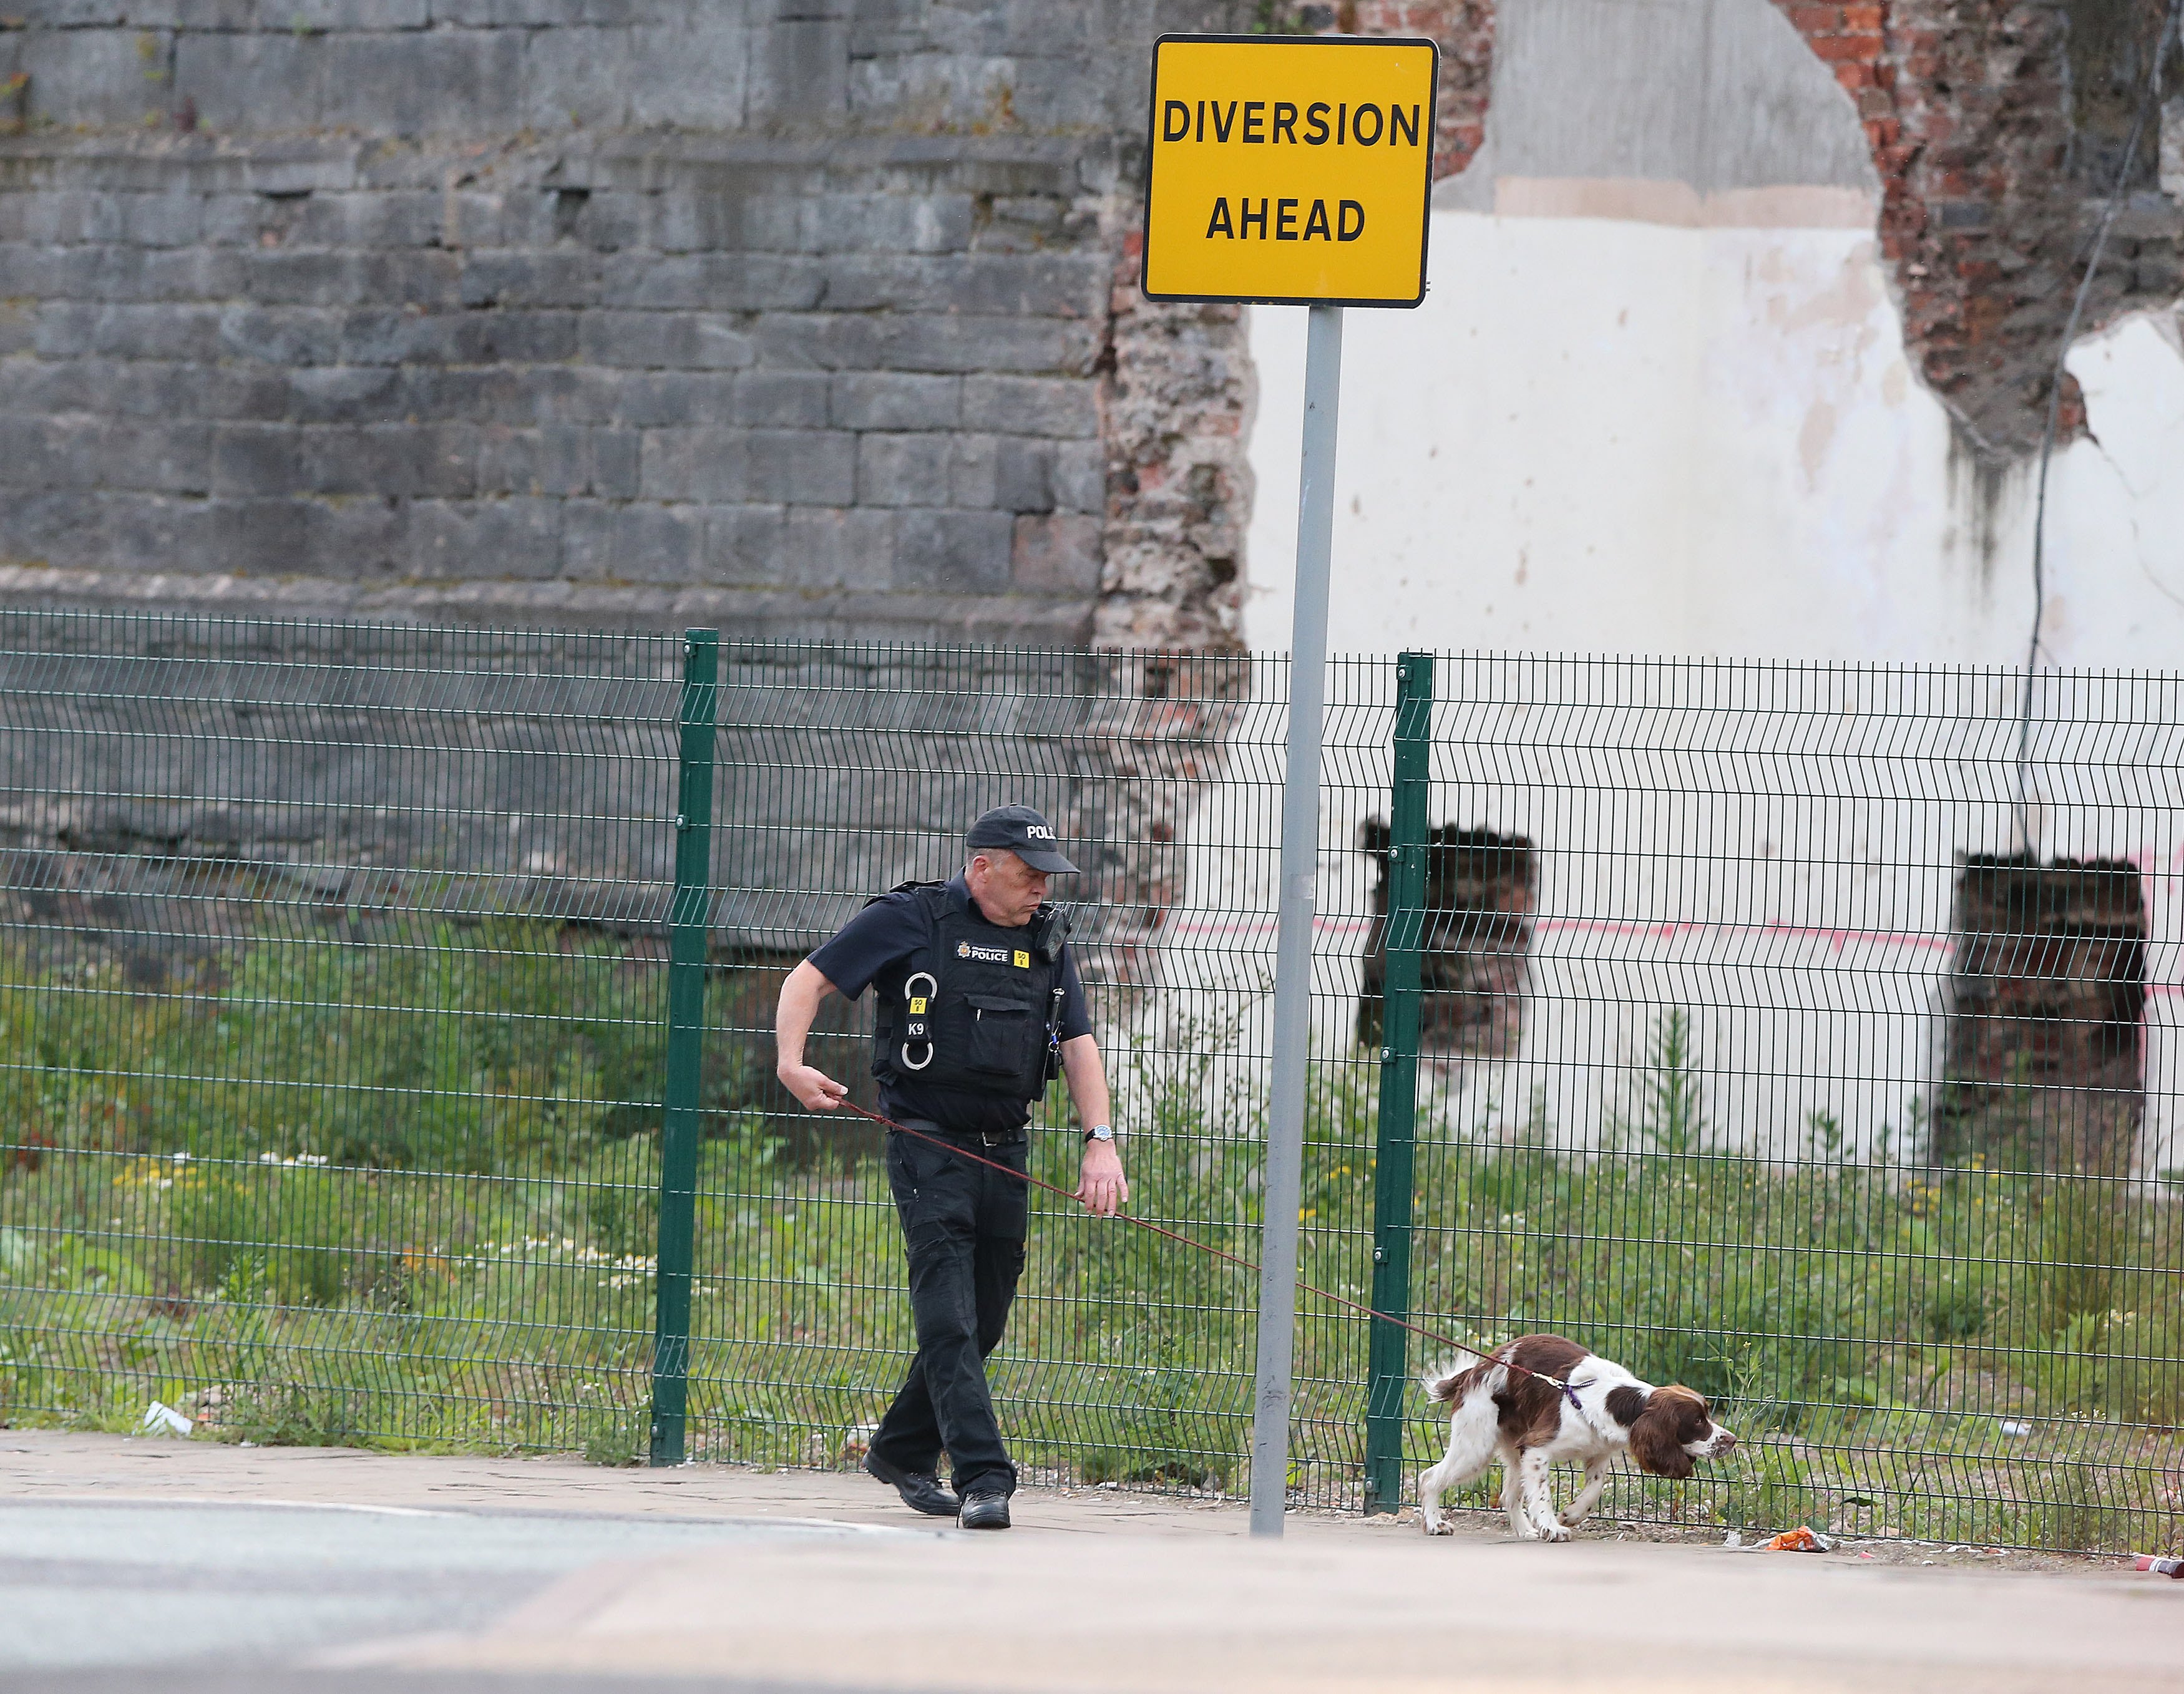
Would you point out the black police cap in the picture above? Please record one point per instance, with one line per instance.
(1025, 833)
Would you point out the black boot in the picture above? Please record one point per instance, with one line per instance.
(985, 1509)
(921, 1489)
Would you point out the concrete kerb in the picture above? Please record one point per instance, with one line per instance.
(44, 1464)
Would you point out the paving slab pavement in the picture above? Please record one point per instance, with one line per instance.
(48, 1464)
(551, 1575)
(1042, 1608)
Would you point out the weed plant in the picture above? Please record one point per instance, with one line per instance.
(404, 1193)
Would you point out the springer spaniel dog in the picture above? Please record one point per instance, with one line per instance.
(1530, 1422)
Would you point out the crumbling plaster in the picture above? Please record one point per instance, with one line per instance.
(1999, 131)
(1665, 393)
(477, 157)
(1700, 411)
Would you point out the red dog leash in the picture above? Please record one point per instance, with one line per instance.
(1240, 1262)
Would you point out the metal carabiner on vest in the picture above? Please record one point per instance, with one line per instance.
(918, 1009)
(1054, 1066)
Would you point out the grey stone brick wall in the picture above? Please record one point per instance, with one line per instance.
(792, 316)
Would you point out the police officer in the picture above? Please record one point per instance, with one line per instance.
(979, 1006)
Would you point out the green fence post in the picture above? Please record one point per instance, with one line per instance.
(689, 927)
(1388, 1359)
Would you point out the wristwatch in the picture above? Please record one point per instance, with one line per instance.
(1099, 1132)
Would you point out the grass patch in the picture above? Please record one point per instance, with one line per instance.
(403, 1193)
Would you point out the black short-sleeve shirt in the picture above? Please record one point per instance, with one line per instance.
(881, 945)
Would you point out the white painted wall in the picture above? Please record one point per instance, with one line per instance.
(1796, 908)
(1610, 436)
(1614, 435)
(1657, 402)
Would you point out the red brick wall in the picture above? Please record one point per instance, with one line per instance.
(1465, 31)
(1175, 396)
(1968, 106)
(1177, 390)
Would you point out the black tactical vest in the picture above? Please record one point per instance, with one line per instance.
(982, 1011)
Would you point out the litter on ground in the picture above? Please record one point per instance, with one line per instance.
(1799, 1540)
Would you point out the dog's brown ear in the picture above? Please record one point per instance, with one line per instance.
(1657, 1438)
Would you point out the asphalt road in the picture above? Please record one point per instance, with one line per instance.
(129, 1566)
(123, 1586)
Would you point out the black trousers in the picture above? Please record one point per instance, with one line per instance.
(964, 1226)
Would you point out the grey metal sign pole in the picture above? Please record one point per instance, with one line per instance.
(1297, 903)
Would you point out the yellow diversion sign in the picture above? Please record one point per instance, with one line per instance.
(1294, 171)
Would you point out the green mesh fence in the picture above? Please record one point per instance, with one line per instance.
(1758, 1052)
(1751, 1047)
(330, 1011)
(845, 773)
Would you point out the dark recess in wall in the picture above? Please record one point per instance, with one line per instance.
(1481, 888)
(2045, 1065)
